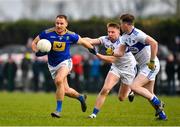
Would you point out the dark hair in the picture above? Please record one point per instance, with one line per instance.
(62, 16)
(127, 18)
(113, 24)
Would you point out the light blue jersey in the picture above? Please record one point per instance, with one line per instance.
(60, 50)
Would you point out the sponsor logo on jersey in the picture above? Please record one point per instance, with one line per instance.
(134, 50)
(52, 36)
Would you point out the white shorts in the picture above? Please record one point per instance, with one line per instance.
(126, 75)
(53, 70)
(150, 74)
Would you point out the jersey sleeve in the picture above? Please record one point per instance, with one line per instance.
(123, 41)
(101, 39)
(141, 37)
(42, 35)
(74, 38)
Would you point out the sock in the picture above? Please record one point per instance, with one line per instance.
(95, 111)
(80, 98)
(155, 101)
(59, 106)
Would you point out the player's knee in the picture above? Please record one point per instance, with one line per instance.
(66, 90)
(133, 87)
(59, 82)
(105, 91)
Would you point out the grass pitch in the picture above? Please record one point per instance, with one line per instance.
(29, 109)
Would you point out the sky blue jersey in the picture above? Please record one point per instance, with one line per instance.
(60, 50)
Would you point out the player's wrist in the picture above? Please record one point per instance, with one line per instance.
(152, 61)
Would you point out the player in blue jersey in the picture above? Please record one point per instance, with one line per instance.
(144, 48)
(59, 60)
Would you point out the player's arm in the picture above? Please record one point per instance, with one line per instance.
(87, 45)
(154, 46)
(34, 44)
(109, 59)
(120, 52)
(94, 41)
(34, 48)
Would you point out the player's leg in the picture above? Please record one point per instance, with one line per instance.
(138, 86)
(110, 81)
(159, 109)
(127, 78)
(123, 92)
(70, 92)
(61, 74)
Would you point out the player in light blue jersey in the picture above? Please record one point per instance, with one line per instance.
(59, 60)
(144, 48)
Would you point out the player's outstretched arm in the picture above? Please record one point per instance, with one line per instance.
(93, 41)
(87, 45)
(109, 59)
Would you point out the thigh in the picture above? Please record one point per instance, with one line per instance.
(150, 86)
(67, 64)
(62, 73)
(111, 80)
(140, 80)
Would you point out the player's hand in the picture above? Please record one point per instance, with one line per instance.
(151, 64)
(93, 51)
(39, 53)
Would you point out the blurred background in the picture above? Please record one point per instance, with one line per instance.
(23, 20)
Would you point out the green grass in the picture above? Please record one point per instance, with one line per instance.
(27, 109)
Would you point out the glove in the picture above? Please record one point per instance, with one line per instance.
(39, 53)
(93, 51)
(151, 64)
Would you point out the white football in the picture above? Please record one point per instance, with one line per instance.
(44, 45)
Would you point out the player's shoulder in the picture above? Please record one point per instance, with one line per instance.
(137, 31)
(104, 38)
(70, 32)
(49, 30)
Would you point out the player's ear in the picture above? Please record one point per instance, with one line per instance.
(66, 23)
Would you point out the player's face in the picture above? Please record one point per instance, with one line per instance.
(60, 25)
(113, 33)
(123, 27)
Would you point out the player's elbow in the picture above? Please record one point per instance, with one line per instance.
(111, 61)
(119, 54)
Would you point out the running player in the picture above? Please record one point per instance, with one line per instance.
(144, 48)
(123, 68)
(59, 60)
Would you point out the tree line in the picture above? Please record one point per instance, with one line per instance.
(163, 30)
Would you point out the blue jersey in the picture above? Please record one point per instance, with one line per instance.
(60, 50)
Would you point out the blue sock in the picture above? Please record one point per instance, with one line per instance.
(95, 111)
(80, 98)
(59, 106)
(155, 101)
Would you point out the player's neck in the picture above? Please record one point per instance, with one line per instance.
(61, 32)
(130, 30)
